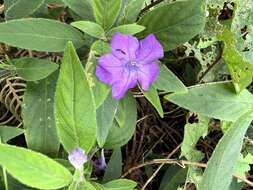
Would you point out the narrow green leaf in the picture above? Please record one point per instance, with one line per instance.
(131, 11)
(105, 117)
(39, 34)
(221, 166)
(114, 167)
(216, 100)
(38, 116)
(22, 8)
(106, 12)
(33, 169)
(169, 82)
(82, 8)
(129, 29)
(118, 136)
(240, 69)
(90, 28)
(173, 178)
(32, 69)
(75, 110)
(120, 184)
(175, 23)
(153, 98)
(8, 133)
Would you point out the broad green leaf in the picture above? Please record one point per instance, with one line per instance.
(114, 167)
(54, 1)
(192, 133)
(8, 133)
(38, 116)
(120, 115)
(243, 165)
(120, 184)
(241, 70)
(32, 69)
(82, 8)
(86, 186)
(153, 97)
(216, 100)
(39, 34)
(33, 169)
(90, 28)
(173, 178)
(221, 165)
(9, 3)
(22, 8)
(168, 81)
(105, 117)
(129, 29)
(75, 110)
(175, 23)
(118, 136)
(106, 12)
(131, 11)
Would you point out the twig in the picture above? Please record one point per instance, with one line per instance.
(159, 168)
(181, 163)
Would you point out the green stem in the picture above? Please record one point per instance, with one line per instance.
(5, 179)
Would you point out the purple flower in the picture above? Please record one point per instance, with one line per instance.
(131, 62)
(99, 164)
(77, 158)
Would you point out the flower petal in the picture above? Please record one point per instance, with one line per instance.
(147, 74)
(108, 69)
(128, 79)
(124, 46)
(150, 50)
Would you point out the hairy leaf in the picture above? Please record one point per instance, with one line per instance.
(75, 110)
(39, 34)
(33, 169)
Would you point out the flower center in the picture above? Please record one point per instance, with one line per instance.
(133, 62)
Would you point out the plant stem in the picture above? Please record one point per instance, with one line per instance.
(5, 179)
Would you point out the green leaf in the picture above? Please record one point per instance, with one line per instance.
(8, 133)
(22, 8)
(75, 110)
(221, 165)
(120, 184)
(153, 97)
(131, 11)
(90, 28)
(169, 82)
(82, 8)
(105, 117)
(106, 12)
(38, 116)
(175, 23)
(39, 34)
(120, 115)
(33, 169)
(118, 136)
(100, 90)
(243, 165)
(114, 167)
(241, 70)
(173, 178)
(32, 69)
(129, 29)
(192, 133)
(216, 100)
